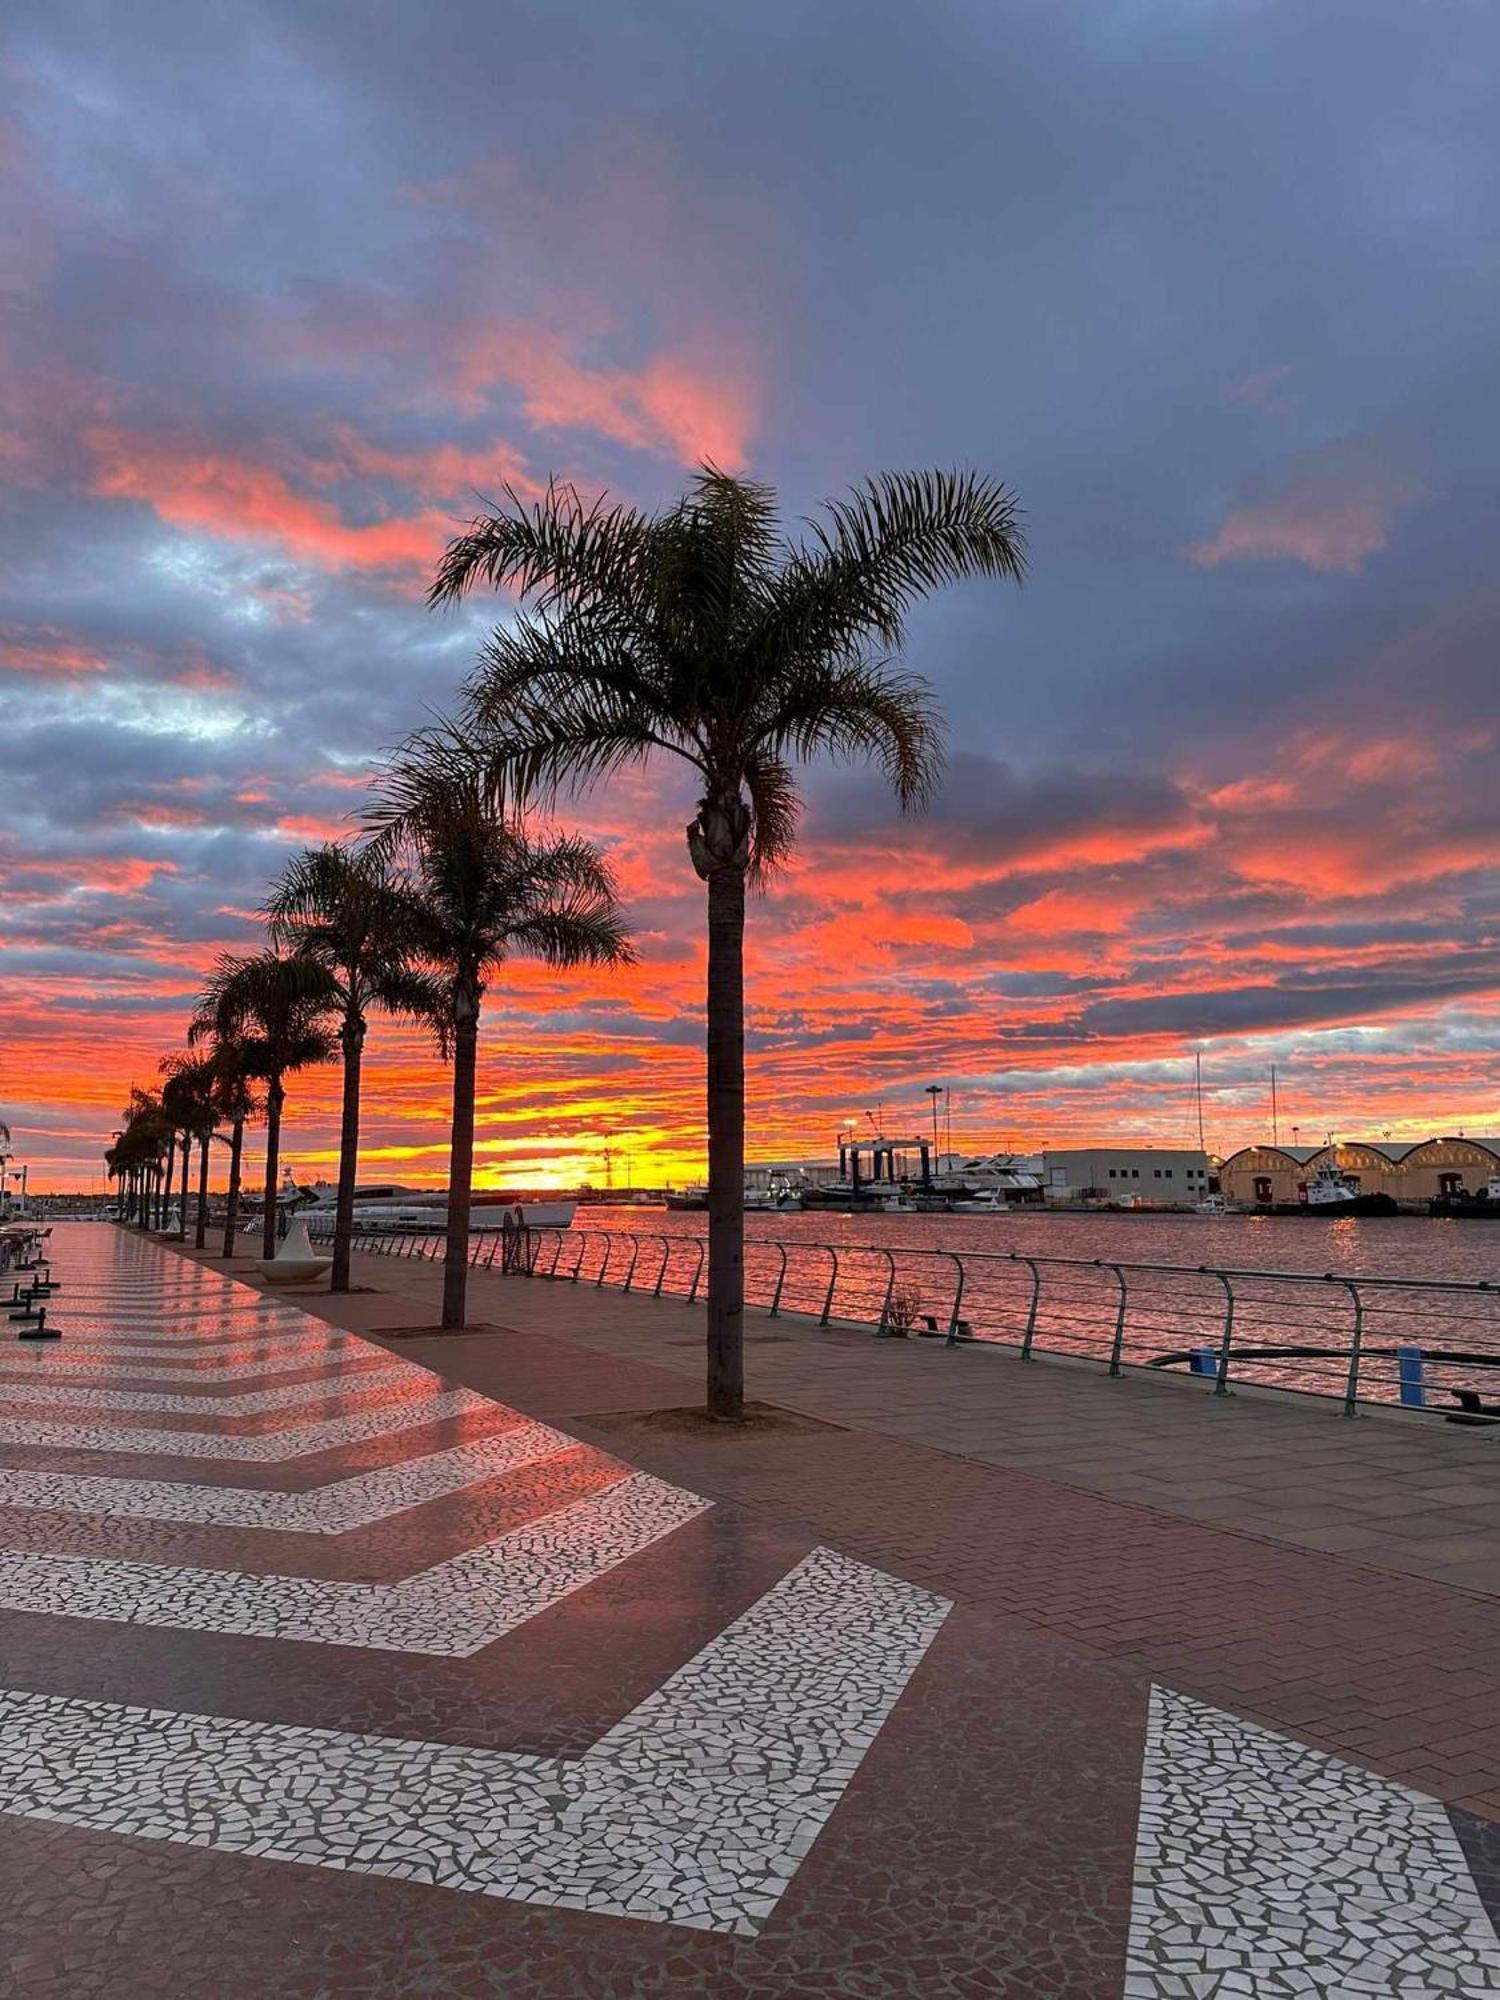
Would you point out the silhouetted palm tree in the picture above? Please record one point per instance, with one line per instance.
(279, 1006)
(342, 908)
(237, 1064)
(704, 633)
(190, 1100)
(489, 890)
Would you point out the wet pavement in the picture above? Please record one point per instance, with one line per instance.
(323, 1673)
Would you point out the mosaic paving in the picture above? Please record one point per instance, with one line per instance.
(289, 1441)
(142, 1362)
(326, 1510)
(1264, 1867)
(360, 1723)
(452, 1609)
(250, 1402)
(696, 1809)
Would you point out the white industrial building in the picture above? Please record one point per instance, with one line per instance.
(1114, 1172)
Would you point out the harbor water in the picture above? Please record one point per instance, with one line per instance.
(1135, 1287)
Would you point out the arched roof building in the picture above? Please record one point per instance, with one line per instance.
(1412, 1173)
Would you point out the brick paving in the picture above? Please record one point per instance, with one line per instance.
(1397, 1670)
(978, 1838)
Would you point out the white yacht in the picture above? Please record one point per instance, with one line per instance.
(387, 1206)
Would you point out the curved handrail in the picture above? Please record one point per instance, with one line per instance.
(1151, 1301)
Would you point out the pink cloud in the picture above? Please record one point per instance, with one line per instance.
(1262, 391)
(1333, 511)
(672, 404)
(210, 492)
(42, 649)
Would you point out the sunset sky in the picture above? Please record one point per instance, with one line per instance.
(1213, 284)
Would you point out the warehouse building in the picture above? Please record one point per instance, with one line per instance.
(1121, 1173)
(1413, 1174)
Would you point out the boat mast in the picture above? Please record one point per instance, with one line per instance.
(1198, 1073)
(1275, 1128)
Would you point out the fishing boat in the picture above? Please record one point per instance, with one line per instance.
(1469, 1207)
(1330, 1195)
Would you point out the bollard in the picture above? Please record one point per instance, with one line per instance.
(41, 1330)
(1203, 1360)
(1409, 1376)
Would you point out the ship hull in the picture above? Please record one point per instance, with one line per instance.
(1335, 1211)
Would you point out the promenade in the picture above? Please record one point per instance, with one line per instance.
(339, 1658)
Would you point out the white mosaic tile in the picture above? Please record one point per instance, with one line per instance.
(27, 1363)
(326, 1510)
(697, 1809)
(245, 1403)
(293, 1440)
(1264, 1867)
(453, 1609)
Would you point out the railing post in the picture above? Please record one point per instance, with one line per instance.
(1119, 1341)
(1409, 1377)
(775, 1311)
(697, 1273)
(609, 1238)
(833, 1279)
(1036, 1293)
(890, 1286)
(1221, 1378)
(1351, 1387)
(958, 1297)
(635, 1251)
(666, 1258)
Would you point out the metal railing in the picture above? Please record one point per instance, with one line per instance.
(1413, 1342)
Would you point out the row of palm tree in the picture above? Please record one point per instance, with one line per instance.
(703, 634)
(415, 920)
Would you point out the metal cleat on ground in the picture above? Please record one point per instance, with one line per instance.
(1472, 1409)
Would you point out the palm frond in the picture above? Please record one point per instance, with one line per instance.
(558, 549)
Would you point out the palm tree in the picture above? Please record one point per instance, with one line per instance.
(137, 1153)
(343, 909)
(705, 634)
(237, 1064)
(190, 1098)
(278, 1004)
(489, 891)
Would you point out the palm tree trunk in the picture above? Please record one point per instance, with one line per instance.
(232, 1199)
(353, 1038)
(275, 1096)
(187, 1172)
(726, 1143)
(460, 1171)
(200, 1231)
(164, 1199)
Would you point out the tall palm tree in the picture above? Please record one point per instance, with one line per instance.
(190, 1097)
(342, 908)
(237, 1064)
(490, 890)
(280, 1005)
(704, 633)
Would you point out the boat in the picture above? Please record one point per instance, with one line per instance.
(1330, 1195)
(1465, 1206)
(867, 1198)
(388, 1207)
(779, 1195)
(984, 1201)
(1215, 1204)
